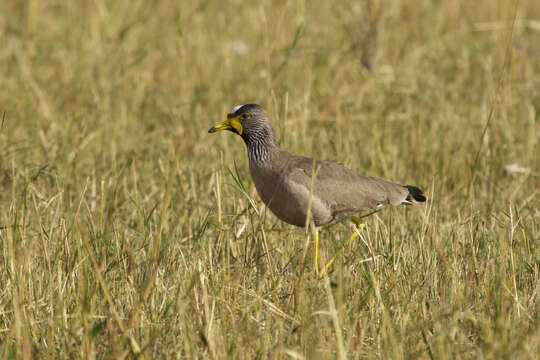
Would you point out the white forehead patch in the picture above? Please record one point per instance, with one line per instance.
(235, 109)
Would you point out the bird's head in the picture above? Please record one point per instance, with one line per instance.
(250, 121)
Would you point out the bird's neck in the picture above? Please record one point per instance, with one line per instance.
(261, 146)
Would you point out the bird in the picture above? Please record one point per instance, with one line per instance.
(303, 191)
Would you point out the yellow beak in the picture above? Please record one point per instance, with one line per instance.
(231, 124)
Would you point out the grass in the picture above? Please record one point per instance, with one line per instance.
(126, 231)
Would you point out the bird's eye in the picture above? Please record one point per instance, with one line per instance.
(244, 117)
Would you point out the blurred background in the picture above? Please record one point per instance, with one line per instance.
(127, 231)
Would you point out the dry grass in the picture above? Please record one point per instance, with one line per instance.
(127, 231)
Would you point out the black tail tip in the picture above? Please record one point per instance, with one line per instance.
(415, 194)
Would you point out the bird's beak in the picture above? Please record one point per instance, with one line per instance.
(232, 124)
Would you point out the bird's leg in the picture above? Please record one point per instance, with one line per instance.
(358, 227)
(316, 257)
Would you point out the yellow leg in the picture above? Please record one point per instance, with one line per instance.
(316, 257)
(358, 228)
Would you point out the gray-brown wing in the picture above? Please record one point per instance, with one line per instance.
(345, 191)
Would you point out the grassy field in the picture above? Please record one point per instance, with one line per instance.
(127, 231)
